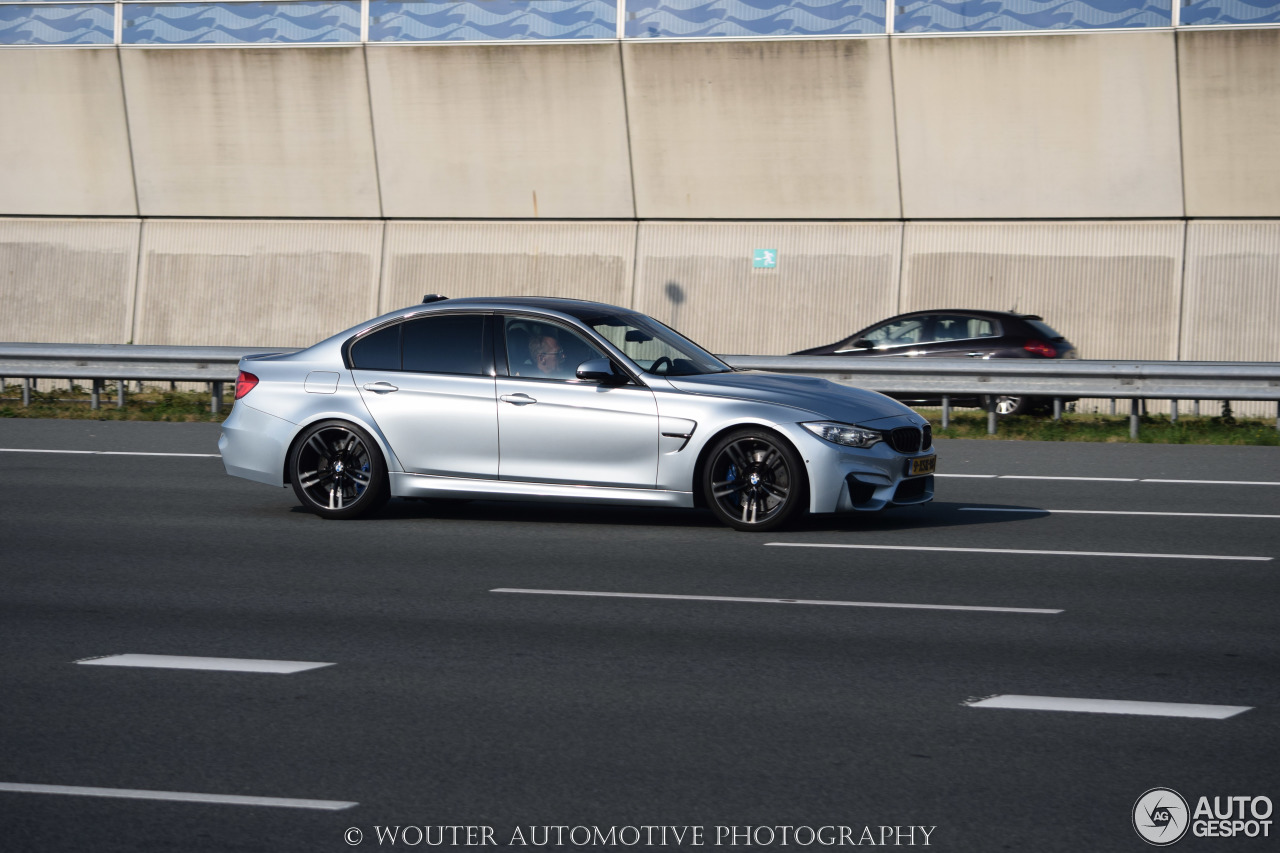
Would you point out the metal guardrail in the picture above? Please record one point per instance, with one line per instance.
(1058, 379)
(936, 377)
(99, 363)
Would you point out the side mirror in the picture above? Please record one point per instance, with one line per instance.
(600, 370)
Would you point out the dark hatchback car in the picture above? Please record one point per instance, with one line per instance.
(955, 333)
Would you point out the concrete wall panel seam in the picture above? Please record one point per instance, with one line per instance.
(373, 127)
(626, 114)
(128, 132)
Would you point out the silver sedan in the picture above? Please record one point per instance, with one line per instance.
(547, 399)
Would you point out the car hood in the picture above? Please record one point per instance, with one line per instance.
(820, 396)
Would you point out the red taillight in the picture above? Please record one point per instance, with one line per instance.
(1040, 348)
(245, 383)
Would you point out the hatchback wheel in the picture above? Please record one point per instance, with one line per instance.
(337, 471)
(753, 480)
(1006, 405)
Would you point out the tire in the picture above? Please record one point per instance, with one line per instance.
(753, 480)
(1006, 405)
(337, 471)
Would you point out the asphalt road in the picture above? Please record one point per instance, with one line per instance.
(447, 703)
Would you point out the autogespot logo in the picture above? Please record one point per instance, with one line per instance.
(1160, 816)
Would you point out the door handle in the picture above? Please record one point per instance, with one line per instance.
(518, 399)
(381, 387)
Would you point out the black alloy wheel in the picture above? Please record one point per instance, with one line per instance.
(753, 480)
(337, 471)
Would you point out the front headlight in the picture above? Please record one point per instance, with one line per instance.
(849, 436)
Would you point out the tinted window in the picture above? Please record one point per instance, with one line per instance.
(378, 351)
(449, 343)
(1045, 329)
(545, 350)
(952, 327)
(897, 333)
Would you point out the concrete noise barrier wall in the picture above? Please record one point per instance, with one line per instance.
(1122, 184)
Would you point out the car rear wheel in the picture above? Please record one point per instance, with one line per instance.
(337, 471)
(753, 480)
(1007, 405)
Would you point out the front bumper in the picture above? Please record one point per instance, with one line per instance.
(849, 479)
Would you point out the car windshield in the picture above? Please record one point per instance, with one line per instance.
(656, 348)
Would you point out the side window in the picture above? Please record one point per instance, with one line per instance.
(447, 343)
(950, 328)
(898, 333)
(958, 327)
(545, 350)
(377, 351)
(981, 327)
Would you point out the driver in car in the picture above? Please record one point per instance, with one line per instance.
(548, 357)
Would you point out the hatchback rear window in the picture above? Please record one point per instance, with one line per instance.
(1044, 329)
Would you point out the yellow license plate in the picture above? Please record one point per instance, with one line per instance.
(922, 465)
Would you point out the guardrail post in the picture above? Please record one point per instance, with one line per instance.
(1113, 405)
(1057, 408)
(1133, 418)
(946, 411)
(216, 403)
(26, 393)
(1195, 408)
(1173, 411)
(119, 393)
(95, 394)
(991, 414)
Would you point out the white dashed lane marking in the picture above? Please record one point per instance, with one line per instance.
(1114, 479)
(1109, 706)
(1017, 551)
(108, 452)
(275, 667)
(1113, 512)
(740, 600)
(176, 796)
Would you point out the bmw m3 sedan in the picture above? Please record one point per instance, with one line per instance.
(545, 399)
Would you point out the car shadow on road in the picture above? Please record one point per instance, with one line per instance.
(922, 516)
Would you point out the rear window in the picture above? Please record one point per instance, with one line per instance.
(1044, 329)
(378, 351)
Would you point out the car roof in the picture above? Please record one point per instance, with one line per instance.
(977, 312)
(546, 303)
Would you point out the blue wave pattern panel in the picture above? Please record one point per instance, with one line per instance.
(1231, 12)
(923, 16)
(241, 23)
(490, 20)
(702, 18)
(48, 24)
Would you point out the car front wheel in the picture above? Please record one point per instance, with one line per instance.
(753, 480)
(337, 471)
